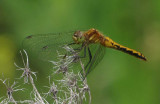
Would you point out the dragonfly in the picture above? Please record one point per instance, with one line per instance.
(91, 44)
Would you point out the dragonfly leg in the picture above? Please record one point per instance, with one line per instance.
(84, 53)
(89, 53)
(78, 49)
(70, 44)
(90, 58)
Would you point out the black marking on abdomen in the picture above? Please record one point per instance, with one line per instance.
(111, 43)
(130, 52)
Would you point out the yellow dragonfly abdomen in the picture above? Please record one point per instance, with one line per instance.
(111, 44)
(93, 36)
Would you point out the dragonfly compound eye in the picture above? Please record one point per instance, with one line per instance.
(78, 36)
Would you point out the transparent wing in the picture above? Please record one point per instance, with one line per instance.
(96, 58)
(45, 46)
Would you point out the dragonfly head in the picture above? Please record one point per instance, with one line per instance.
(78, 37)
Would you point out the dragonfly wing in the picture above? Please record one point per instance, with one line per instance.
(96, 57)
(45, 46)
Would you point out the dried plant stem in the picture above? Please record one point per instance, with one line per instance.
(35, 89)
(71, 88)
(85, 81)
(80, 96)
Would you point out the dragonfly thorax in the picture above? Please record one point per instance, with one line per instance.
(78, 37)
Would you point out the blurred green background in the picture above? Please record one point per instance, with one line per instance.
(119, 78)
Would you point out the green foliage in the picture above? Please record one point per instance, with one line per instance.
(119, 78)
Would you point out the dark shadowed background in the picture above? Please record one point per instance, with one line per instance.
(119, 78)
